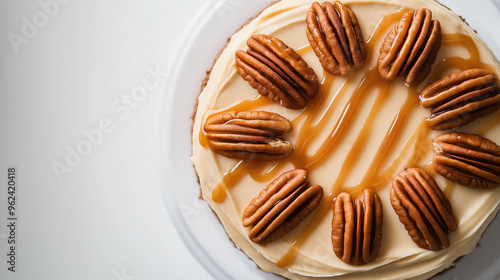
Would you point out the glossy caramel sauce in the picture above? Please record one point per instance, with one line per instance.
(278, 12)
(448, 190)
(230, 179)
(429, 169)
(303, 50)
(312, 119)
(456, 63)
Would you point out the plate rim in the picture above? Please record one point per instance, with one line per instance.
(178, 56)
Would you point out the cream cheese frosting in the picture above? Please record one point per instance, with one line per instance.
(358, 132)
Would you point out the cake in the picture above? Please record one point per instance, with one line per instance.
(367, 134)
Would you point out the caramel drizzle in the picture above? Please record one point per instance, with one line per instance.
(383, 178)
(320, 214)
(490, 124)
(384, 88)
(456, 62)
(304, 50)
(228, 180)
(448, 190)
(423, 145)
(370, 179)
(429, 169)
(312, 118)
(309, 131)
(258, 171)
(278, 12)
(371, 176)
(357, 147)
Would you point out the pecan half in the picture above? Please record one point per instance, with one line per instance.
(252, 135)
(277, 71)
(411, 47)
(335, 36)
(422, 208)
(357, 229)
(460, 98)
(468, 159)
(281, 206)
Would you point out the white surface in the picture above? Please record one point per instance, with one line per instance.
(106, 219)
(76, 64)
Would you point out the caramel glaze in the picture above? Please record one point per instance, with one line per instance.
(371, 175)
(312, 119)
(278, 12)
(448, 190)
(357, 147)
(303, 50)
(456, 62)
(429, 169)
(258, 171)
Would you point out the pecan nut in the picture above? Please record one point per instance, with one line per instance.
(357, 229)
(281, 206)
(460, 98)
(422, 208)
(467, 159)
(277, 71)
(335, 36)
(252, 135)
(411, 47)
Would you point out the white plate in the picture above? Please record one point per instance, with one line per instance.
(197, 224)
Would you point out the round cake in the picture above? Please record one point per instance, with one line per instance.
(352, 140)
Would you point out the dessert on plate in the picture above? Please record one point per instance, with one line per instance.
(352, 139)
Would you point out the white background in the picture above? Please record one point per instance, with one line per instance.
(90, 207)
(106, 218)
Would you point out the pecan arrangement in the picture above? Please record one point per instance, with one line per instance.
(252, 135)
(335, 36)
(460, 98)
(411, 47)
(277, 71)
(281, 206)
(357, 227)
(423, 209)
(468, 159)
